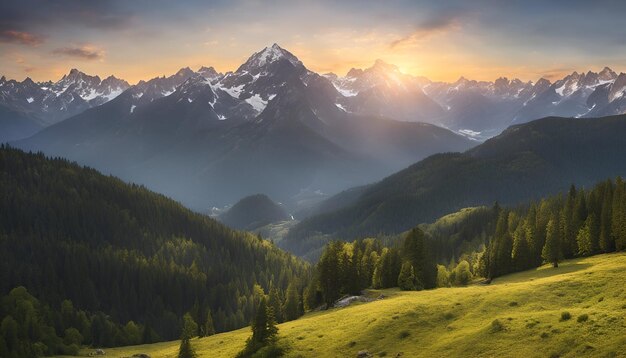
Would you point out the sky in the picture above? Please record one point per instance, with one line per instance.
(442, 40)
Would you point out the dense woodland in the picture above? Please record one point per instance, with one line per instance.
(128, 261)
(578, 223)
(476, 242)
(348, 268)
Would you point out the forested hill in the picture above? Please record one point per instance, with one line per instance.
(253, 212)
(525, 162)
(68, 232)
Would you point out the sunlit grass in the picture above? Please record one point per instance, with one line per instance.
(519, 315)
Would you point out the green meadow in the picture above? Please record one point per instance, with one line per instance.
(577, 309)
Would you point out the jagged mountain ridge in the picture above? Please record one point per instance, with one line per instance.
(271, 127)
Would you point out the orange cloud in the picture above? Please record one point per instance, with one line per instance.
(84, 52)
(20, 37)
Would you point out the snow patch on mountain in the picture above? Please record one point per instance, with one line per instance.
(257, 103)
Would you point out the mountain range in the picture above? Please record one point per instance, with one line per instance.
(480, 109)
(270, 127)
(476, 109)
(26, 107)
(275, 127)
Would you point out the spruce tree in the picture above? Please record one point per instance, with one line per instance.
(264, 327)
(406, 278)
(329, 273)
(275, 303)
(606, 242)
(209, 329)
(618, 215)
(186, 350)
(552, 248)
(292, 302)
(190, 329)
(584, 240)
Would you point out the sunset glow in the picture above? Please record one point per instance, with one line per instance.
(481, 40)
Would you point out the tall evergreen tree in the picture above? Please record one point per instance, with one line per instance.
(552, 249)
(275, 302)
(329, 268)
(264, 326)
(209, 329)
(292, 302)
(190, 330)
(406, 278)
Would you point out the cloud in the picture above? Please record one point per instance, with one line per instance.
(434, 25)
(84, 52)
(556, 73)
(29, 15)
(20, 37)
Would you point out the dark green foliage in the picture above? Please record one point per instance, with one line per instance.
(190, 330)
(292, 303)
(415, 249)
(348, 268)
(406, 279)
(209, 328)
(186, 350)
(582, 318)
(565, 316)
(329, 272)
(29, 328)
(552, 248)
(125, 254)
(461, 275)
(263, 342)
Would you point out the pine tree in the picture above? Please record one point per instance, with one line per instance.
(264, 326)
(520, 252)
(416, 250)
(275, 304)
(606, 242)
(584, 241)
(618, 215)
(406, 278)
(329, 273)
(190, 329)
(552, 248)
(186, 350)
(292, 302)
(209, 329)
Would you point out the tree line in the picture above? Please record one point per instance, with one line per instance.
(348, 268)
(578, 223)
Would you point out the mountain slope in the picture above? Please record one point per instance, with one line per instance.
(68, 232)
(253, 212)
(516, 315)
(524, 162)
(15, 125)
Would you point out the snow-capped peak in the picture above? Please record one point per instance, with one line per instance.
(267, 56)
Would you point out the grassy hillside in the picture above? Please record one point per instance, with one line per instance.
(516, 316)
